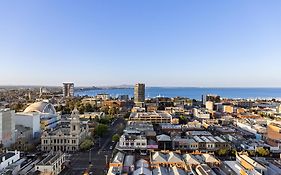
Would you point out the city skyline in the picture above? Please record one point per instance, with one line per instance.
(159, 43)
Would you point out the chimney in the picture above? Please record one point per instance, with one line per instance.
(3, 159)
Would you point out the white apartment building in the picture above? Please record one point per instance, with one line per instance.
(201, 113)
(132, 142)
(7, 127)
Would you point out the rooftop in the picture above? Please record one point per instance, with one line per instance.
(41, 107)
(51, 158)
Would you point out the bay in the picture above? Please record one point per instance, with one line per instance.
(191, 92)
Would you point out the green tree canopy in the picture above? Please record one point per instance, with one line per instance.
(86, 144)
(104, 109)
(101, 129)
(222, 152)
(263, 152)
(251, 153)
(115, 138)
(113, 111)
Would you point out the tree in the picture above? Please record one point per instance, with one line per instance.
(263, 152)
(113, 111)
(183, 119)
(251, 153)
(104, 109)
(86, 144)
(233, 152)
(120, 128)
(104, 120)
(17, 107)
(127, 115)
(101, 129)
(81, 109)
(115, 138)
(89, 108)
(222, 152)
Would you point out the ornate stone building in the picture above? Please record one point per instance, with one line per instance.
(65, 138)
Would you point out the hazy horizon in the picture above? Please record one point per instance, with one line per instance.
(233, 43)
(131, 86)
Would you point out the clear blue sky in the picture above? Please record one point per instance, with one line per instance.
(210, 43)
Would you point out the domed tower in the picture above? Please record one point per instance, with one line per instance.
(75, 123)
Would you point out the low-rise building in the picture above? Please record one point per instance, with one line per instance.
(92, 115)
(201, 113)
(53, 164)
(250, 166)
(153, 117)
(132, 142)
(209, 105)
(164, 142)
(273, 136)
(8, 158)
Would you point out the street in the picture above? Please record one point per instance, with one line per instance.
(94, 160)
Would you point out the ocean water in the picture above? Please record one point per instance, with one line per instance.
(194, 93)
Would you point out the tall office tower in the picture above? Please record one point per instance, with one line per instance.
(139, 93)
(7, 127)
(68, 89)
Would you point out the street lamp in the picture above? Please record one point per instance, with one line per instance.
(90, 158)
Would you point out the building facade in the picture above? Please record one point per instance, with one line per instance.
(65, 139)
(53, 164)
(8, 158)
(7, 127)
(68, 89)
(139, 93)
(274, 134)
(39, 116)
(153, 117)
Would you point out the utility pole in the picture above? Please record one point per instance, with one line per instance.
(106, 159)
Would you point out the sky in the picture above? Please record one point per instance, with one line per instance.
(202, 43)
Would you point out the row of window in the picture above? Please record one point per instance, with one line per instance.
(62, 148)
(196, 146)
(133, 144)
(58, 141)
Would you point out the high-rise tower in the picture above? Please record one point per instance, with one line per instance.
(68, 89)
(139, 93)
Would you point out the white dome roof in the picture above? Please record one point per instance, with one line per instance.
(41, 107)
